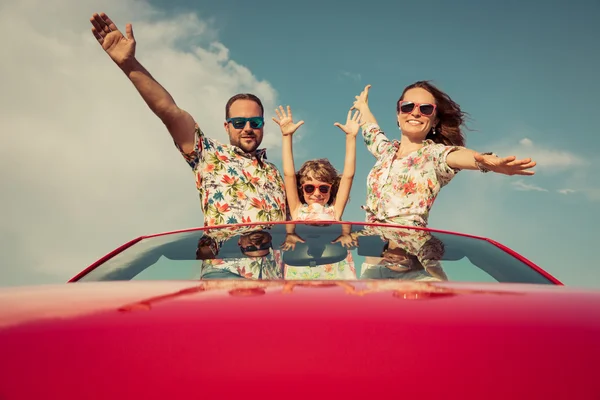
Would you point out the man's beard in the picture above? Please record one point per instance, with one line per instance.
(242, 144)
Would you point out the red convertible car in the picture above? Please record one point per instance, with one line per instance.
(365, 311)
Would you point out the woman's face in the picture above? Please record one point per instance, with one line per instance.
(396, 255)
(415, 124)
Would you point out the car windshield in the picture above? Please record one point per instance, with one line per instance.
(308, 251)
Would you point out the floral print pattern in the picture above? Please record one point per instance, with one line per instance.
(424, 251)
(235, 187)
(341, 270)
(402, 190)
(268, 267)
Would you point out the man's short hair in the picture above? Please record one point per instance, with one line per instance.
(243, 96)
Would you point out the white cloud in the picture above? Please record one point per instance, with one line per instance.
(350, 75)
(521, 185)
(526, 142)
(85, 165)
(583, 181)
(566, 191)
(546, 157)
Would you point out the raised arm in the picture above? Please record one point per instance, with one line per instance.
(470, 159)
(351, 128)
(361, 103)
(121, 50)
(288, 127)
(375, 139)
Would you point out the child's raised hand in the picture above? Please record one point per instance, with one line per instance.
(285, 121)
(353, 123)
(290, 241)
(347, 240)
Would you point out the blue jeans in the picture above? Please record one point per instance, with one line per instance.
(216, 273)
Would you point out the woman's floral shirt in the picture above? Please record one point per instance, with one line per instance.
(424, 250)
(402, 190)
(235, 187)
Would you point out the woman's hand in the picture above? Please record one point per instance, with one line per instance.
(507, 165)
(361, 102)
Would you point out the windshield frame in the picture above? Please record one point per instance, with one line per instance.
(122, 248)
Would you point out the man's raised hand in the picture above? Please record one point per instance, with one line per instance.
(120, 48)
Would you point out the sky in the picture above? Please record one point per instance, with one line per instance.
(85, 166)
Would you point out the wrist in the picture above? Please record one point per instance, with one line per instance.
(129, 65)
(367, 126)
(482, 168)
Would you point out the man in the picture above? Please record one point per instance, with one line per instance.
(234, 181)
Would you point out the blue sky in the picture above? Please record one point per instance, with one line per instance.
(521, 69)
(525, 71)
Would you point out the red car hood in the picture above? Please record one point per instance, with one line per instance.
(219, 339)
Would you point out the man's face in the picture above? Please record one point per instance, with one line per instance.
(255, 244)
(245, 138)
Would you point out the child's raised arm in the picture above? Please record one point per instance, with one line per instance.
(351, 128)
(288, 127)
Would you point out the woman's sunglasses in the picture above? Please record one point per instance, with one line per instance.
(425, 108)
(239, 122)
(310, 188)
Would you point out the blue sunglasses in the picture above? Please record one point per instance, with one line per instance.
(239, 122)
(250, 248)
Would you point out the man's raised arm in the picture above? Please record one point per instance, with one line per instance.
(121, 50)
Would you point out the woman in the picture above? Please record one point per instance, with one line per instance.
(409, 174)
(407, 254)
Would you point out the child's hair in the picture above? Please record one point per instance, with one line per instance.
(322, 170)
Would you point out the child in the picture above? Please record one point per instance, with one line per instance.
(317, 192)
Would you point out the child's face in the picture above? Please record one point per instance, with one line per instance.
(313, 191)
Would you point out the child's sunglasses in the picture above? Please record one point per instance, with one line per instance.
(425, 108)
(239, 122)
(310, 188)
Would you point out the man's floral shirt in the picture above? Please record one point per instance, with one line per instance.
(268, 267)
(235, 187)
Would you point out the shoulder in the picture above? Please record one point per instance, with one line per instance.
(429, 144)
(271, 167)
(206, 143)
(371, 127)
(372, 130)
(431, 147)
